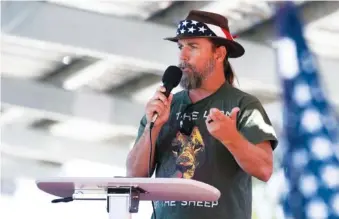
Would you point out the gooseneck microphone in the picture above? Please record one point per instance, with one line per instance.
(170, 80)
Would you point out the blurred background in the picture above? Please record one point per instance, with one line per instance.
(75, 77)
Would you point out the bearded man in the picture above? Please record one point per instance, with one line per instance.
(211, 131)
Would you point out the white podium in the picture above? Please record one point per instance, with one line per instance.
(123, 194)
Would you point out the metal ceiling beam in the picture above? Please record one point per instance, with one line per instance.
(13, 167)
(138, 41)
(89, 32)
(41, 146)
(64, 70)
(103, 35)
(134, 85)
(21, 117)
(176, 12)
(62, 104)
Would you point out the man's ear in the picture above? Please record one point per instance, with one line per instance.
(221, 53)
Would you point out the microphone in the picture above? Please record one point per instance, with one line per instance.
(66, 199)
(170, 80)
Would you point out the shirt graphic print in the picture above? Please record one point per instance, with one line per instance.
(186, 150)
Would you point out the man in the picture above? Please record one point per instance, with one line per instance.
(210, 131)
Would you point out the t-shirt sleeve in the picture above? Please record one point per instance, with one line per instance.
(255, 125)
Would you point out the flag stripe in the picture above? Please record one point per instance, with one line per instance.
(310, 165)
(219, 31)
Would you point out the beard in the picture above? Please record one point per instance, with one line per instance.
(194, 78)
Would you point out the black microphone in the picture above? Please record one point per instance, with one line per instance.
(170, 80)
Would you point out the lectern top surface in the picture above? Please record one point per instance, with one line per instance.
(169, 189)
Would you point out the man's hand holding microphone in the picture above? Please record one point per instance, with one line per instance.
(140, 162)
(161, 105)
(158, 108)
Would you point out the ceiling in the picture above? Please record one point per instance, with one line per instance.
(76, 75)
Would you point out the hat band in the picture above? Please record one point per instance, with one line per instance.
(196, 28)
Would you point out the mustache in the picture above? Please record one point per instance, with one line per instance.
(183, 65)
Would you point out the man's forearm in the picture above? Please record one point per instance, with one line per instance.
(138, 158)
(252, 159)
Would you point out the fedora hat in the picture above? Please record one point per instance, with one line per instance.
(202, 24)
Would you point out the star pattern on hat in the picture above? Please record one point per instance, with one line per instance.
(202, 29)
(191, 30)
(194, 28)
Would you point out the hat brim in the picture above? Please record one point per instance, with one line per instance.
(234, 49)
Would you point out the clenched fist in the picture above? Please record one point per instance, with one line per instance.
(159, 104)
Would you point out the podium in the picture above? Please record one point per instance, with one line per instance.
(123, 194)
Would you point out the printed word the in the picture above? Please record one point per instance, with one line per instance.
(196, 115)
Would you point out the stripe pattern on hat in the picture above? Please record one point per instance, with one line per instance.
(196, 28)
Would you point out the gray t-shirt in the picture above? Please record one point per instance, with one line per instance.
(185, 149)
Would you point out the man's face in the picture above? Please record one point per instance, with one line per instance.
(197, 61)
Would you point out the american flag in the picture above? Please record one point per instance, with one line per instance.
(310, 163)
(196, 28)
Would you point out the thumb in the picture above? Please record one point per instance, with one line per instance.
(234, 113)
(169, 101)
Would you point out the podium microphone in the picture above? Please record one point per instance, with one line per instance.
(66, 199)
(170, 80)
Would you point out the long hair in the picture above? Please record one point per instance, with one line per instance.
(228, 71)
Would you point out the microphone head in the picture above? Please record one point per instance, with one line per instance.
(172, 76)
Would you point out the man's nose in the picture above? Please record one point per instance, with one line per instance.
(184, 54)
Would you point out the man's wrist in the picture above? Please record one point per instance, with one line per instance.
(235, 142)
(154, 128)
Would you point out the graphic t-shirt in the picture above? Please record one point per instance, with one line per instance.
(185, 149)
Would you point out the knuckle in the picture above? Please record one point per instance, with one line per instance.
(162, 96)
(159, 103)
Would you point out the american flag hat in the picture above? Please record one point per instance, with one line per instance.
(208, 25)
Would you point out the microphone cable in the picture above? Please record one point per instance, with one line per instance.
(170, 79)
(150, 161)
